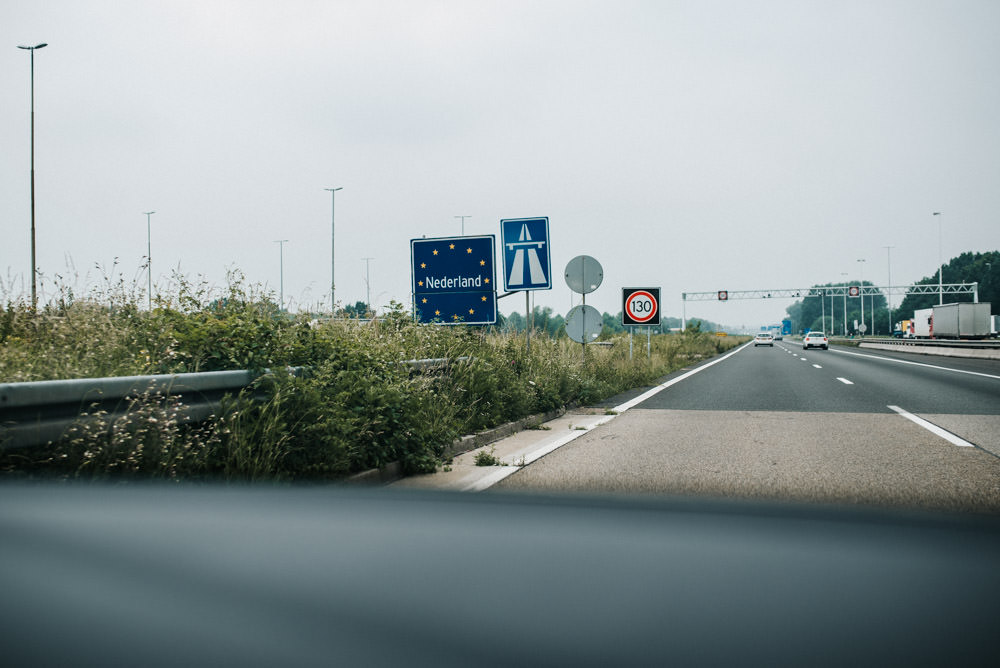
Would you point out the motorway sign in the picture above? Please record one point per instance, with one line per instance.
(526, 259)
(640, 306)
(454, 280)
(723, 295)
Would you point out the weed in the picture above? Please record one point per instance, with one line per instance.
(488, 458)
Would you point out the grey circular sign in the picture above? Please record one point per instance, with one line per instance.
(584, 323)
(584, 274)
(862, 328)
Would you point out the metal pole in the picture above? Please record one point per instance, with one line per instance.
(888, 294)
(368, 284)
(631, 331)
(333, 219)
(844, 273)
(149, 261)
(527, 321)
(649, 353)
(940, 262)
(861, 294)
(34, 267)
(463, 223)
(683, 311)
(281, 280)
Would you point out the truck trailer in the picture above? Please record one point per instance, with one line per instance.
(961, 321)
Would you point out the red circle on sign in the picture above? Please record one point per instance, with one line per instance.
(853, 291)
(723, 295)
(636, 316)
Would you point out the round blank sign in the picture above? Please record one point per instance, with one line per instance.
(584, 323)
(584, 274)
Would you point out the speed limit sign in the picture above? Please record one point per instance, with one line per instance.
(853, 291)
(640, 306)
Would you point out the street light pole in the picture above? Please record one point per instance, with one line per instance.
(888, 251)
(333, 281)
(463, 223)
(844, 273)
(940, 263)
(368, 284)
(861, 294)
(149, 262)
(281, 276)
(34, 267)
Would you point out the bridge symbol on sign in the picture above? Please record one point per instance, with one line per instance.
(526, 253)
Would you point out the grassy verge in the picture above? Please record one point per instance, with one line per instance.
(358, 408)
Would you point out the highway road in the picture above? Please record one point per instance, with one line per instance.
(843, 425)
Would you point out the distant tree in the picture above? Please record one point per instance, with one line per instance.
(982, 268)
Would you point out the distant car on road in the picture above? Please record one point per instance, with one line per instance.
(815, 340)
(763, 339)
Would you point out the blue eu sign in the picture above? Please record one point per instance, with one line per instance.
(526, 261)
(454, 280)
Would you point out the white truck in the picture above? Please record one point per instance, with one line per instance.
(922, 319)
(960, 321)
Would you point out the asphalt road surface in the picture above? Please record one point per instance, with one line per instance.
(843, 425)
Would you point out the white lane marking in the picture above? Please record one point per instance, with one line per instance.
(803, 359)
(933, 428)
(817, 366)
(659, 388)
(844, 381)
(930, 366)
(501, 473)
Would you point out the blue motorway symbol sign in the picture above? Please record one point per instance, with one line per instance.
(526, 258)
(454, 280)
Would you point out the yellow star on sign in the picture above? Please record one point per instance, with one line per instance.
(471, 311)
(487, 280)
(484, 298)
(435, 251)
(437, 312)
(423, 265)
(451, 246)
(425, 299)
(482, 263)
(468, 250)
(420, 283)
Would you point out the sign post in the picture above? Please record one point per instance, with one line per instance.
(641, 306)
(454, 280)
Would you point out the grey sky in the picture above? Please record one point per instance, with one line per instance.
(691, 145)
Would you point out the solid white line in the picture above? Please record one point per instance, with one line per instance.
(933, 428)
(844, 381)
(930, 366)
(493, 478)
(659, 388)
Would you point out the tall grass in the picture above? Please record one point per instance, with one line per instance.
(358, 406)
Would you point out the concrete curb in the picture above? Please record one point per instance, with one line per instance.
(394, 471)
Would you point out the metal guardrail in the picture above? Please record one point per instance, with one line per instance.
(39, 412)
(989, 344)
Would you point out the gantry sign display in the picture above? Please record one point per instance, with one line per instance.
(835, 291)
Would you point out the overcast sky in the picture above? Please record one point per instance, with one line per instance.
(691, 145)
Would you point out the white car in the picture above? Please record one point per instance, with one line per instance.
(815, 340)
(763, 339)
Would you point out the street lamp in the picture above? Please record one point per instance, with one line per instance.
(888, 294)
(940, 262)
(281, 280)
(463, 223)
(149, 262)
(861, 294)
(844, 273)
(368, 285)
(333, 281)
(34, 268)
